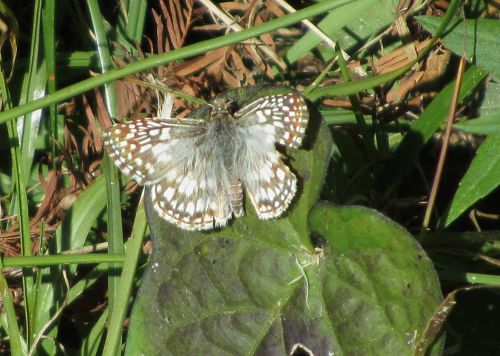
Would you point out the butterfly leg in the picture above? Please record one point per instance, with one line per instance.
(237, 198)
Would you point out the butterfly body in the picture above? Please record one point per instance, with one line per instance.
(222, 134)
(199, 169)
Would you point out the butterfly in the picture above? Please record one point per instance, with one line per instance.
(198, 169)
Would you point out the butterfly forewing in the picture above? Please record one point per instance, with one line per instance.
(286, 113)
(146, 148)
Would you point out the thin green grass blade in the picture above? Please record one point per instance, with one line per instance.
(63, 259)
(181, 53)
(91, 344)
(33, 87)
(136, 17)
(12, 327)
(49, 47)
(23, 218)
(115, 229)
(21, 201)
(112, 345)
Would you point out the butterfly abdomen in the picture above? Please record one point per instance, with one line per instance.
(237, 198)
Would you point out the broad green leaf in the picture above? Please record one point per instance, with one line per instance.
(477, 38)
(485, 125)
(82, 215)
(350, 25)
(227, 291)
(258, 287)
(375, 282)
(482, 177)
(488, 122)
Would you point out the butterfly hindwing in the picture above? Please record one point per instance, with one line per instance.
(270, 185)
(190, 197)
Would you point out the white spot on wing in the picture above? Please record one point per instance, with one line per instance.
(169, 193)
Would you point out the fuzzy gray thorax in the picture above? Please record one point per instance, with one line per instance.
(222, 134)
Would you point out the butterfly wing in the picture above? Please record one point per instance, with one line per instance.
(268, 182)
(194, 195)
(286, 114)
(146, 148)
(271, 187)
(188, 189)
(272, 119)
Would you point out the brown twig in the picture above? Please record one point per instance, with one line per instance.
(444, 147)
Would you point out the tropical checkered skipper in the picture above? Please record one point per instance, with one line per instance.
(198, 169)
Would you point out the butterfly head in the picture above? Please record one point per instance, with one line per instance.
(219, 107)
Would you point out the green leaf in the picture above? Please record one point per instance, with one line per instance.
(350, 25)
(377, 285)
(485, 125)
(480, 179)
(83, 213)
(422, 130)
(71, 234)
(136, 17)
(477, 37)
(259, 288)
(489, 121)
(90, 345)
(225, 291)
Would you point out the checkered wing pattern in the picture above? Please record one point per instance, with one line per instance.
(145, 148)
(286, 113)
(271, 186)
(199, 169)
(190, 197)
(172, 156)
(268, 181)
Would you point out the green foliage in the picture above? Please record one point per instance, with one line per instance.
(351, 26)
(259, 287)
(480, 44)
(345, 280)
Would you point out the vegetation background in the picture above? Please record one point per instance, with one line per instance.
(409, 92)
